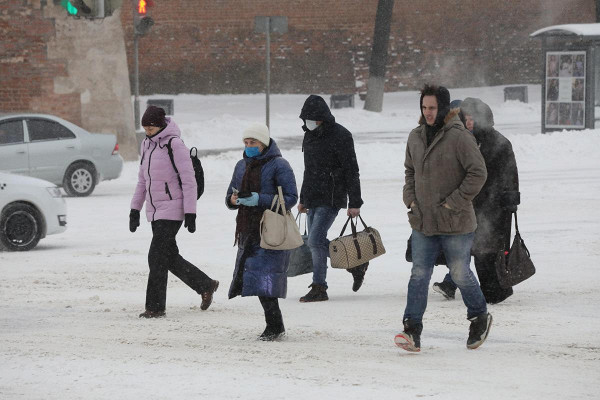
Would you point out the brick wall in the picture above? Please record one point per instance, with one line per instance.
(210, 46)
(26, 73)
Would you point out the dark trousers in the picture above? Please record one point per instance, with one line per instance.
(273, 315)
(485, 265)
(163, 257)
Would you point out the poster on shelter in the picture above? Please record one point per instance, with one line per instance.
(565, 89)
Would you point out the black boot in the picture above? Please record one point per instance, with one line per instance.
(152, 314)
(479, 330)
(272, 333)
(358, 273)
(316, 293)
(410, 339)
(275, 329)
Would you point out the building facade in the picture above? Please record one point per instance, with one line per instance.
(211, 47)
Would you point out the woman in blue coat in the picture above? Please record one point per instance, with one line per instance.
(260, 272)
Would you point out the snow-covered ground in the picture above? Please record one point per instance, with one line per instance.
(68, 309)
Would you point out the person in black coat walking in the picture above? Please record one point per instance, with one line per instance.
(331, 182)
(494, 204)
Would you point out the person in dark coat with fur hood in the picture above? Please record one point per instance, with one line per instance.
(260, 272)
(331, 182)
(444, 171)
(494, 204)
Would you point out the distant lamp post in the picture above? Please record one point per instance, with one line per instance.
(268, 25)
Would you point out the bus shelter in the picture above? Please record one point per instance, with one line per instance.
(571, 78)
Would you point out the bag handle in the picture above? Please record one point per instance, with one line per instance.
(507, 237)
(280, 202)
(352, 227)
(363, 222)
(299, 221)
(281, 199)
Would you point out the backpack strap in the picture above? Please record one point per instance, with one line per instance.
(170, 151)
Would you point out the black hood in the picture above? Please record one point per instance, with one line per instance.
(316, 109)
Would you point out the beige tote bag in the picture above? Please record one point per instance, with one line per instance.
(278, 228)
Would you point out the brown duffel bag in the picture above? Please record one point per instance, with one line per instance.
(357, 248)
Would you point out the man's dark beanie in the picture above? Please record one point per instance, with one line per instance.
(154, 116)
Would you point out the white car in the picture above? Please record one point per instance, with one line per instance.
(30, 209)
(50, 148)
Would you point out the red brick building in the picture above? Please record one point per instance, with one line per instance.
(210, 46)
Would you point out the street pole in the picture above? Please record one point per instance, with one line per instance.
(268, 66)
(136, 73)
(136, 101)
(266, 25)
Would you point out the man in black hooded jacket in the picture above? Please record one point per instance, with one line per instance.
(331, 182)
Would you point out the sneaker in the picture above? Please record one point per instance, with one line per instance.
(410, 339)
(317, 293)
(358, 273)
(152, 314)
(479, 330)
(445, 289)
(272, 334)
(207, 297)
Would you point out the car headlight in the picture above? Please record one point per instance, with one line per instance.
(54, 191)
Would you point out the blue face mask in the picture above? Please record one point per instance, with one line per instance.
(252, 151)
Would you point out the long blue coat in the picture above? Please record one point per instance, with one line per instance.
(264, 271)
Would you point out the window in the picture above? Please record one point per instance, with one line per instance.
(11, 132)
(40, 129)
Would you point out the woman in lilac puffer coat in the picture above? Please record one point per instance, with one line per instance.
(170, 199)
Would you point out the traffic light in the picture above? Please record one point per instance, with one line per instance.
(90, 9)
(77, 8)
(143, 22)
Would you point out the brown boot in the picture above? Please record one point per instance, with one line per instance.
(207, 297)
(317, 293)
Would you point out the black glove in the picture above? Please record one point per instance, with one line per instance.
(134, 219)
(190, 222)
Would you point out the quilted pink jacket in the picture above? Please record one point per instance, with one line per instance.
(157, 183)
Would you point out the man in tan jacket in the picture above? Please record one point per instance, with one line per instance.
(444, 171)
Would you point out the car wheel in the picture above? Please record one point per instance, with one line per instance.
(20, 227)
(79, 180)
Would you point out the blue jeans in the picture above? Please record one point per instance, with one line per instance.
(457, 249)
(319, 220)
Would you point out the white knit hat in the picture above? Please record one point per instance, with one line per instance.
(259, 132)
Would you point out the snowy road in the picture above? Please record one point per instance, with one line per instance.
(69, 325)
(68, 309)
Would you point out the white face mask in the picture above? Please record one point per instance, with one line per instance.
(311, 125)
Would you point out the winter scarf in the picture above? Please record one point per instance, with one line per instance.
(248, 218)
